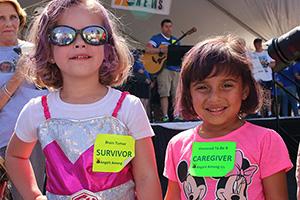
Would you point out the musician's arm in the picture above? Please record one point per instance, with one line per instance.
(151, 49)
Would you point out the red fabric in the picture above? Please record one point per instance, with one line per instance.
(114, 114)
(46, 108)
(119, 104)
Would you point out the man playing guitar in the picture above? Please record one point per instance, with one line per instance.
(167, 79)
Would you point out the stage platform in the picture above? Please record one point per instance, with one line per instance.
(287, 127)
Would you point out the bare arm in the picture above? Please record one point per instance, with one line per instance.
(145, 171)
(11, 85)
(173, 191)
(275, 187)
(20, 170)
(272, 64)
(153, 50)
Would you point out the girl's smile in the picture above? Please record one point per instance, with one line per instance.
(80, 57)
(216, 110)
(217, 100)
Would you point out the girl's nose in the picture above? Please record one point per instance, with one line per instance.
(79, 42)
(214, 93)
(80, 45)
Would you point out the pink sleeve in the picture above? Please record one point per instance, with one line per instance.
(170, 169)
(274, 155)
(298, 173)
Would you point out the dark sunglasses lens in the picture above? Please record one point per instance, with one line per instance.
(62, 36)
(94, 35)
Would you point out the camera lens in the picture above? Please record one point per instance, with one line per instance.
(285, 49)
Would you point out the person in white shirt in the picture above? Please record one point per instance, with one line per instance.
(262, 72)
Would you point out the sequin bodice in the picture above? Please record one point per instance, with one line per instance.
(68, 147)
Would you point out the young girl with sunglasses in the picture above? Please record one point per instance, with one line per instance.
(216, 86)
(79, 55)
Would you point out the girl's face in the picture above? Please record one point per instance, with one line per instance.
(9, 24)
(217, 100)
(79, 59)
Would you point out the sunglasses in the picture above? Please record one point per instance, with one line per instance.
(65, 35)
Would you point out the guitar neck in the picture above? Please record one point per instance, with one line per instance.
(192, 30)
(179, 39)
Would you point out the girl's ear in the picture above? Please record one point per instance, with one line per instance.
(245, 93)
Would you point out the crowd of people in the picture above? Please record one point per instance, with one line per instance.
(59, 104)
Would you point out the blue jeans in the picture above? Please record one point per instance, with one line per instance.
(288, 99)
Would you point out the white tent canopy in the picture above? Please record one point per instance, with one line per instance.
(247, 18)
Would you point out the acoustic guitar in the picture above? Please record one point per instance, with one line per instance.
(154, 62)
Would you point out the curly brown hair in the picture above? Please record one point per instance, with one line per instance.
(117, 58)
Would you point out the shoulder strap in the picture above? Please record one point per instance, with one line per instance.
(45, 107)
(119, 104)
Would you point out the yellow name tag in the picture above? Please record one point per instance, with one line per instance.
(112, 152)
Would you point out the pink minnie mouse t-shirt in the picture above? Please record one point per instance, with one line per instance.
(260, 152)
